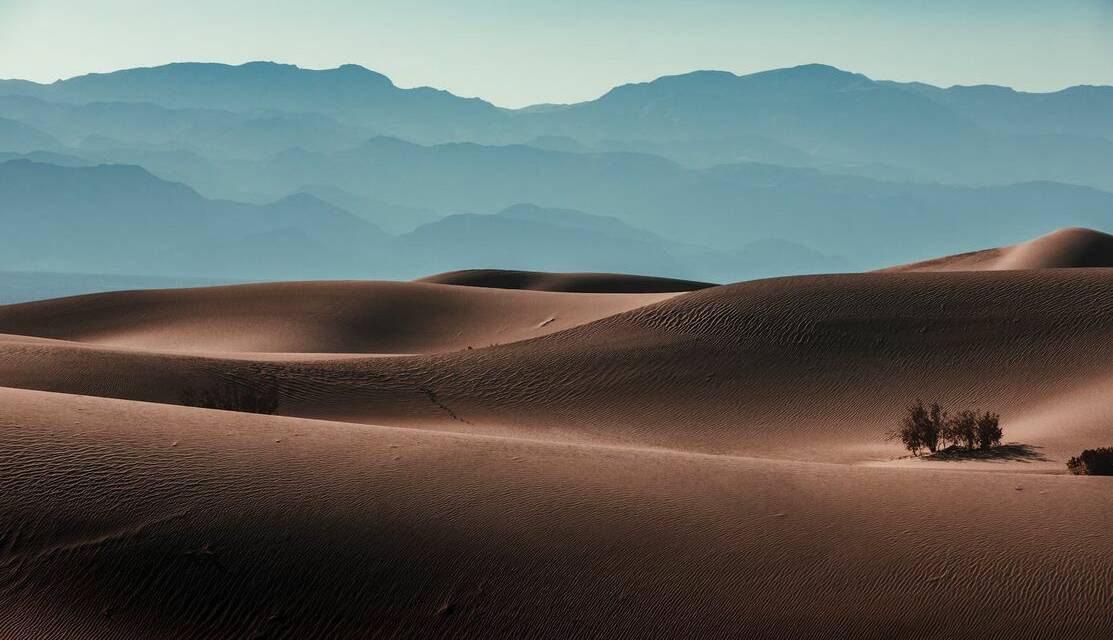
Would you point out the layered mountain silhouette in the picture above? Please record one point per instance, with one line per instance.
(114, 219)
(217, 133)
(811, 168)
(351, 92)
(18, 137)
(121, 219)
(870, 222)
(811, 115)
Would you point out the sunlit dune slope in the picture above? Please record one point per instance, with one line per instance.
(1065, 248)
(317, 317)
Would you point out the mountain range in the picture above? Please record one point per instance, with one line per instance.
(849, 171)
(115, 219)
(826, 117)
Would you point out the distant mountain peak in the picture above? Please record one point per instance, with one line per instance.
(807, 78)
(818, 68)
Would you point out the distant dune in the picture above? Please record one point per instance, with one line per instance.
(569, 282)
(311, 317)
(1065, 248)
(478, 461)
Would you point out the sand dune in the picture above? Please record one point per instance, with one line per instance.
(1065, 248)
(700, 464)
(189, 523)
(812, 368)
(568, 282)
(311, 317)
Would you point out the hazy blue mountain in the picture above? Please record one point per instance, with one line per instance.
(870, 222)
(573, 219)
(533, 238)
(814, 108)
(560, 143)
(351, 93)
(18, 137)
(220, 134)
(392, 218)
(1076, 111)
(838, 168)
(709, 152)
(121, 219)
(847, 122)
(472, 177)
(757, 259)
(729, 223)
(164, 161)
(810, 116)
(533, 243)
(48, 157)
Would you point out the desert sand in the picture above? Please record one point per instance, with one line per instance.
(508, 460)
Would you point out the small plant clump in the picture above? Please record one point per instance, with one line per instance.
(1092, 462)
(228, 395)
(932, 428)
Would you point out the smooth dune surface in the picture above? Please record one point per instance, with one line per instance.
(702, 464)
(311, 317)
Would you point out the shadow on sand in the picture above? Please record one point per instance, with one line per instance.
(1012, 452)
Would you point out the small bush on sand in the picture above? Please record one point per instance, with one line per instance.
(235, 396)
(926, 427)
(962, 429)
(989, 430)
(1092, 462)
(912, 428)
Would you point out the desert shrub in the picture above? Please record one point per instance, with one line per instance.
(924, 427)
(989, 430)
(920, 428)
(936, 426)
(231, 395)
(962, 429)
(1092, 462)
(910, 434)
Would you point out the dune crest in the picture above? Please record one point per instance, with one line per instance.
(1066, 248)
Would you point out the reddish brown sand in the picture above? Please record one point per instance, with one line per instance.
(709, 464)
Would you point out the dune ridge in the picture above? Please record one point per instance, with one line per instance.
(1062, 249)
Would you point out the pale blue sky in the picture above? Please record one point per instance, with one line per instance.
(527, 51)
